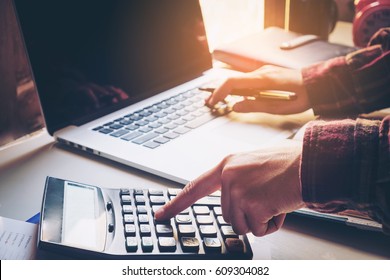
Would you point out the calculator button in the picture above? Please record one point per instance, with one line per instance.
(126, 199)
(141, 209)
(183, 219)
(164, 230)
(145, 230)
(228, 232)
(128, 219)
(212, 244)
(124, 191)
(201, 210)
(143, 219)
(147, 244)
(234, 245)
(138, 192)
(190, 244)
(130, 230)
(156, 192)
(186, 230)
(157, 200)
(207, 231)
(139, 200)
(127, 209)
(167, 244)
(131, 244)
(217, 210)
(221, 221)
(204, 220)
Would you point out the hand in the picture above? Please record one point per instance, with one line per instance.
(257, 189)
(265, 78)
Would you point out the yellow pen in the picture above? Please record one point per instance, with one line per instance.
(260, 94)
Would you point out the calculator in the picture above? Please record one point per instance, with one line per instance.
(90, 222)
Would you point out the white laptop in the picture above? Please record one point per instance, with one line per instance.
(120, 79)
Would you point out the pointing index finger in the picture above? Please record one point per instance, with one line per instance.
(204, 185)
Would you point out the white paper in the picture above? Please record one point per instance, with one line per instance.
(18, 239)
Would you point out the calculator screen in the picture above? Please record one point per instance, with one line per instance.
(83, 222)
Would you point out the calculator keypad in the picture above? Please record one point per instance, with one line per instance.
(199, 230)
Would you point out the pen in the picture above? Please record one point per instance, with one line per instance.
(260, 94)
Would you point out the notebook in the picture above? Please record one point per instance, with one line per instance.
(119, 79)
(277, 46)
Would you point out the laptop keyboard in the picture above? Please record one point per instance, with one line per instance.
(161, 122)
(198, 232)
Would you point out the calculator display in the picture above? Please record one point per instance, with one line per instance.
(81, 217)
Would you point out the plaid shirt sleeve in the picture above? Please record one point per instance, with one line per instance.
(354, 84)
(346, 163)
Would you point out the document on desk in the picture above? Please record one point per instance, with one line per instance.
(17, 239)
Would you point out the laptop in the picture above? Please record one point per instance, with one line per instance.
(120, 79)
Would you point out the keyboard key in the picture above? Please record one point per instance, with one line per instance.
(128, 219)
(126, 199)
(132, 127)
(183, 219)
(145, 230)
(131, 244)
(143, 219)
(131, 136)
(164, 230)
(204, 220)
(201, 210)
(106, 130)
(127, 209)
(161, 130)
(217, 210)
(147, 244)
(139, 200)
(155, 192)
(157, 200)
(116, 126)
(208, 231)
(130, 230)
(186, 230)
(212, 244)
(221, 221)
(152, 145)
(200, 121)
(170, 126)
(141, 209)
(228, 232)
(181, 130)
(145, 138)
(190, 244)
(145, 129)
(171, 135)
(234, 245)
(167, 244)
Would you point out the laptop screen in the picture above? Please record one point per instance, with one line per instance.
(91, 57)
